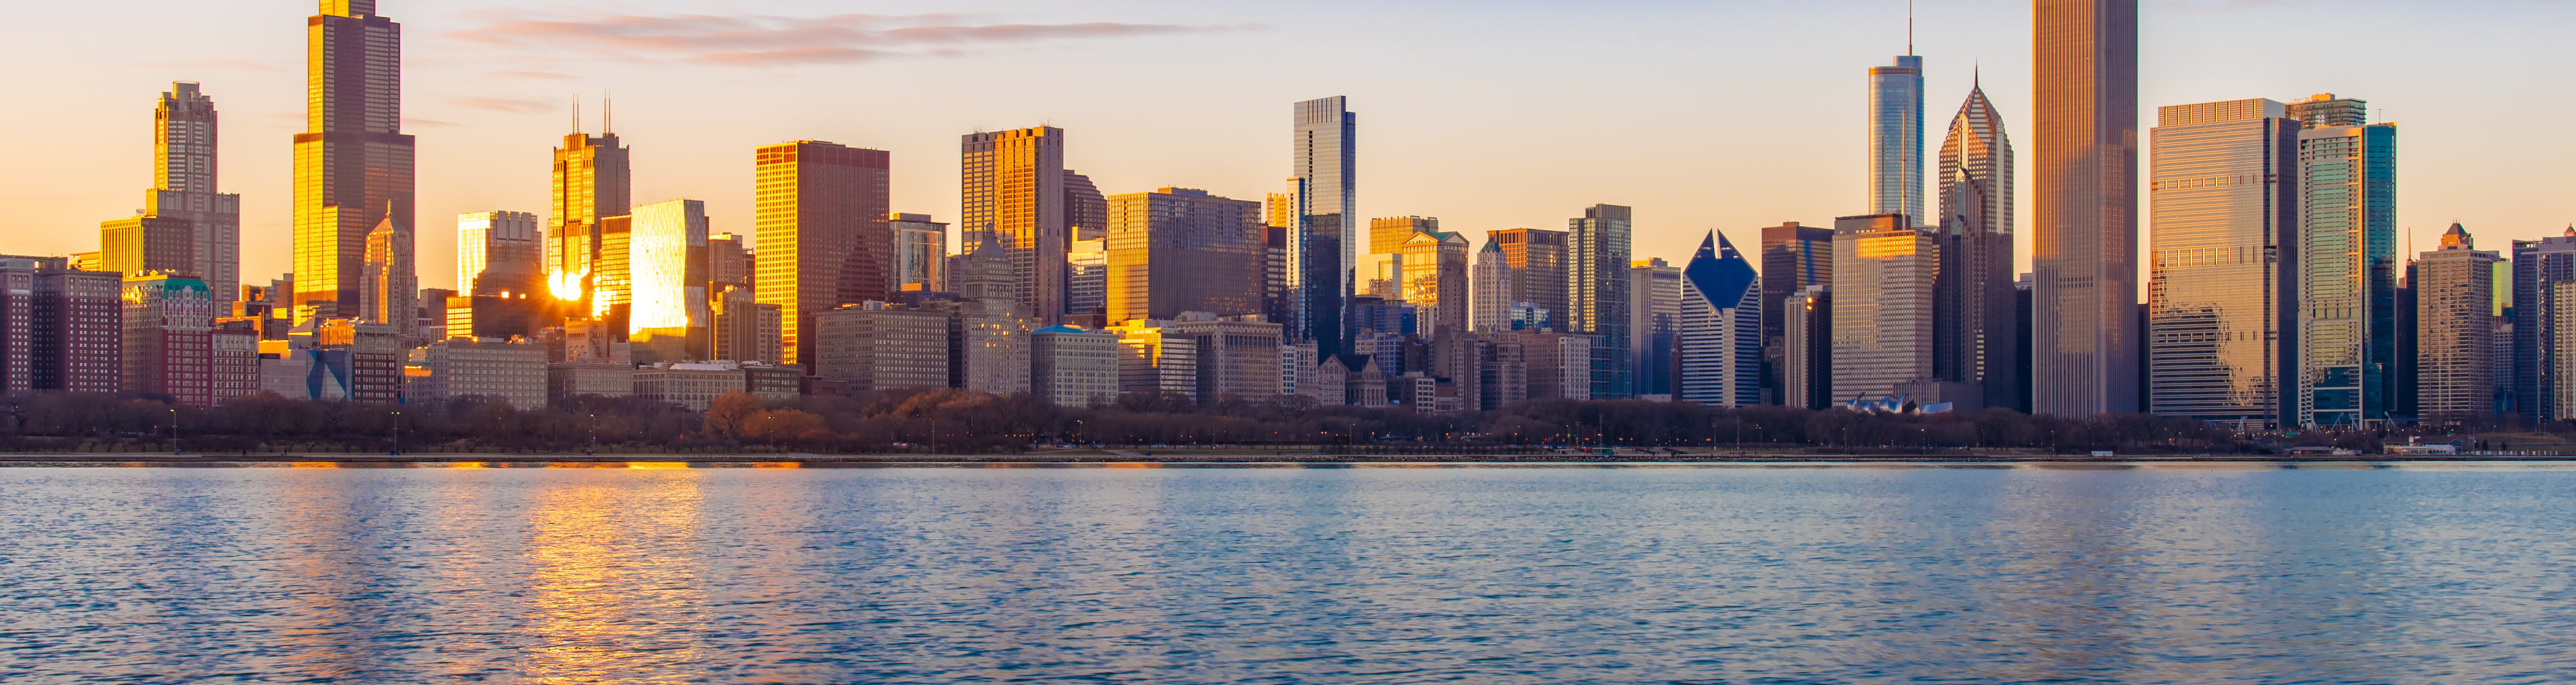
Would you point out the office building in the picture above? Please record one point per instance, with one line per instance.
(593, 178)
(822, 232)
(2455, 297)
(353, 163)
(168, 346)
(499, 253)
(1381, 267)
(362, 360)
(666, 267)
(1491, 288)
(689, 386)
(730, 262)
(1178, 250)
(491, 316)
(1596, 294)
(1975, 330)
(745, 330)
(920, 252)
(989, 346)
(1896, 136)
(1086, 211)
(509, 370)
(1013, 194)
(2347, 253)
(186, 226)
(1720, 326)
(1538, 261)
(61, 329)
(2085, 359)
(1154, 359)
(1236, 356)
(1806, 370)
(2222, 208)
(877, 347)
(567, 380)
(1324, 219)
(1656, 305)
(1559, 364)
(2544, 366)
(1086, 293)
(139, 245)
(1433, 273)
(1883, 310)
(388, 293)
(1072, 367)
(1794, 258)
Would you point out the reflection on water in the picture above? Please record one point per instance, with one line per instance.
(647, 572)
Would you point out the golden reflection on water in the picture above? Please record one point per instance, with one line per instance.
(616, 587)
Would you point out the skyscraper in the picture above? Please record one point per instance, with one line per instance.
(1323, 163)
(387, 289)
(1896, 137)
(667, 269)
(1086, 211)
(2222, 208)
(1656, 306)
(1434, 279)
(2085, 77)
(1180, 250)
(168, 336)
(2455, 299)
(1721, 327)
(499, 252)
(1490, 279)
(1013, 192)
(2544, 318)
(1977, 324)
(1596, 293)
(1794, 258)
(2347, 253)
(593, 179)
(822, 236)
(183, 174)
(920, 251)
(1537, 258)
(1884, 305)
(139, 245)
(1382, 266)
(353, 164)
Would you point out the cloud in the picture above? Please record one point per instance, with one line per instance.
(214, 64)
(533, 75)
(768, 40)
(417, 122)
(502, 104)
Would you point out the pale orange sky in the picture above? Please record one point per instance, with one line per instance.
(1702, 115)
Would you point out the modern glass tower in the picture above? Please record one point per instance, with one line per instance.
(2544, 321)
(2085, 337)
(1977, 328)
(2221, 210)
(1012, 190)
(498, 252)
(1896, 137)
(1596, 294)
(821, 232)
(1178, 250)
(353, 164)
(2347, 255)
(1323, 168)
(1721, 328)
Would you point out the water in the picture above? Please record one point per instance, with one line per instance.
(1852, 574)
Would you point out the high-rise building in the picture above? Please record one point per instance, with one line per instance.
(2222, 208)
(1072, 367)
(1086, 211)
(1434, 277)
(1382, 266)
(388, 291)
(745, 330)
(823, 238)
(1236, 356)
(185, 142)
(353, 163)
(2544, 367)
(1560, 364)
(1180, 250)
(1794, 257)
(593, 179)
(168, 348)
(1153, 358)
(499, 252)
(1896, 137)
(1656, 305)
(1086, 294)
(2085, 81)
(667, 282)
(1596, 294)
(875, 346)
(729, 261)
(1721, 327)
(1013, 194)
(1884, 305)
(1490, 281)
(1537, 257)
(2347, 255)
(1323, 164)
(1806, 369)
(147, 244)
(1976, 328)
(2455, 299)
(920, 252)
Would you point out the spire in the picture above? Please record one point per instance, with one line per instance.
(1909, 27)
(576, 114)
(607, 113)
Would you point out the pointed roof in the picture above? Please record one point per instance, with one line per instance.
(2456, 238)
(1718, 273)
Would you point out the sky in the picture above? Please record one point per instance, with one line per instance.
(1726, 115)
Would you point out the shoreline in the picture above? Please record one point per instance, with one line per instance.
(1198, 459)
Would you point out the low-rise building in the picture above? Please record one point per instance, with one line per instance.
(1072, 367)
(512, 370)
(566, 380)
(694, 387)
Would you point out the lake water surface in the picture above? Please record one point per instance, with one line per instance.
(1704, 574)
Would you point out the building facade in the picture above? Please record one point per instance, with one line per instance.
(1013, 193)
(169, 348)
(1720, 316)
(666, 266)
(1596, 293)
(920, 252)
(1178, 250)
(1490, 281)
(353, 163)
(2347, 255)
(513, 371)
(2543, 270)
(1977, 328)
(2222, 206)
(1884, 273)
(1538, 261)
(1896, 137)
(2455, 305)
(1433, 274)
(1323, 171)
(2086, 343)
(1072, 367)
(499, 253)
(1656, 305)
(875, 347)
(822, 236)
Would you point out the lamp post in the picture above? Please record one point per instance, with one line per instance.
(174, 431)
(593, 450)
(397, 450)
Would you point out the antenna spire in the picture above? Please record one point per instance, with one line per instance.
(576, 114)
(607, 113)
(1909, 27)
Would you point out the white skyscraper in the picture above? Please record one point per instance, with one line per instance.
(1721, 328)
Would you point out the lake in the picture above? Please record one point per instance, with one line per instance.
(2157, 573)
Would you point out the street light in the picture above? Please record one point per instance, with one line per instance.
(594, 437)
(174, 431)
(397, 450)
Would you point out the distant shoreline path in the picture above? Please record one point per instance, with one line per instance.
(1191, 458)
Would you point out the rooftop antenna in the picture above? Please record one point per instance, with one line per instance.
(607, 113)
(576, 114)
(1909, 27)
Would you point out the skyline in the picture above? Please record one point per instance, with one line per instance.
(1424, 153)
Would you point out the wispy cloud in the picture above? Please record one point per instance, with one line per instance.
(417, 122)
(533, 75)
(241, 64)
(502, 104)
(766, 40)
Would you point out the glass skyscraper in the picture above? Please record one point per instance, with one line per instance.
(2085, 342)
(1323, 168)
(1012, 191)
(1721, 327)
(1976, 328)
(2221, 210)
(2347, 252)
(353, 163)
(1896, 138)
(1596, 294)
(821, 232)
